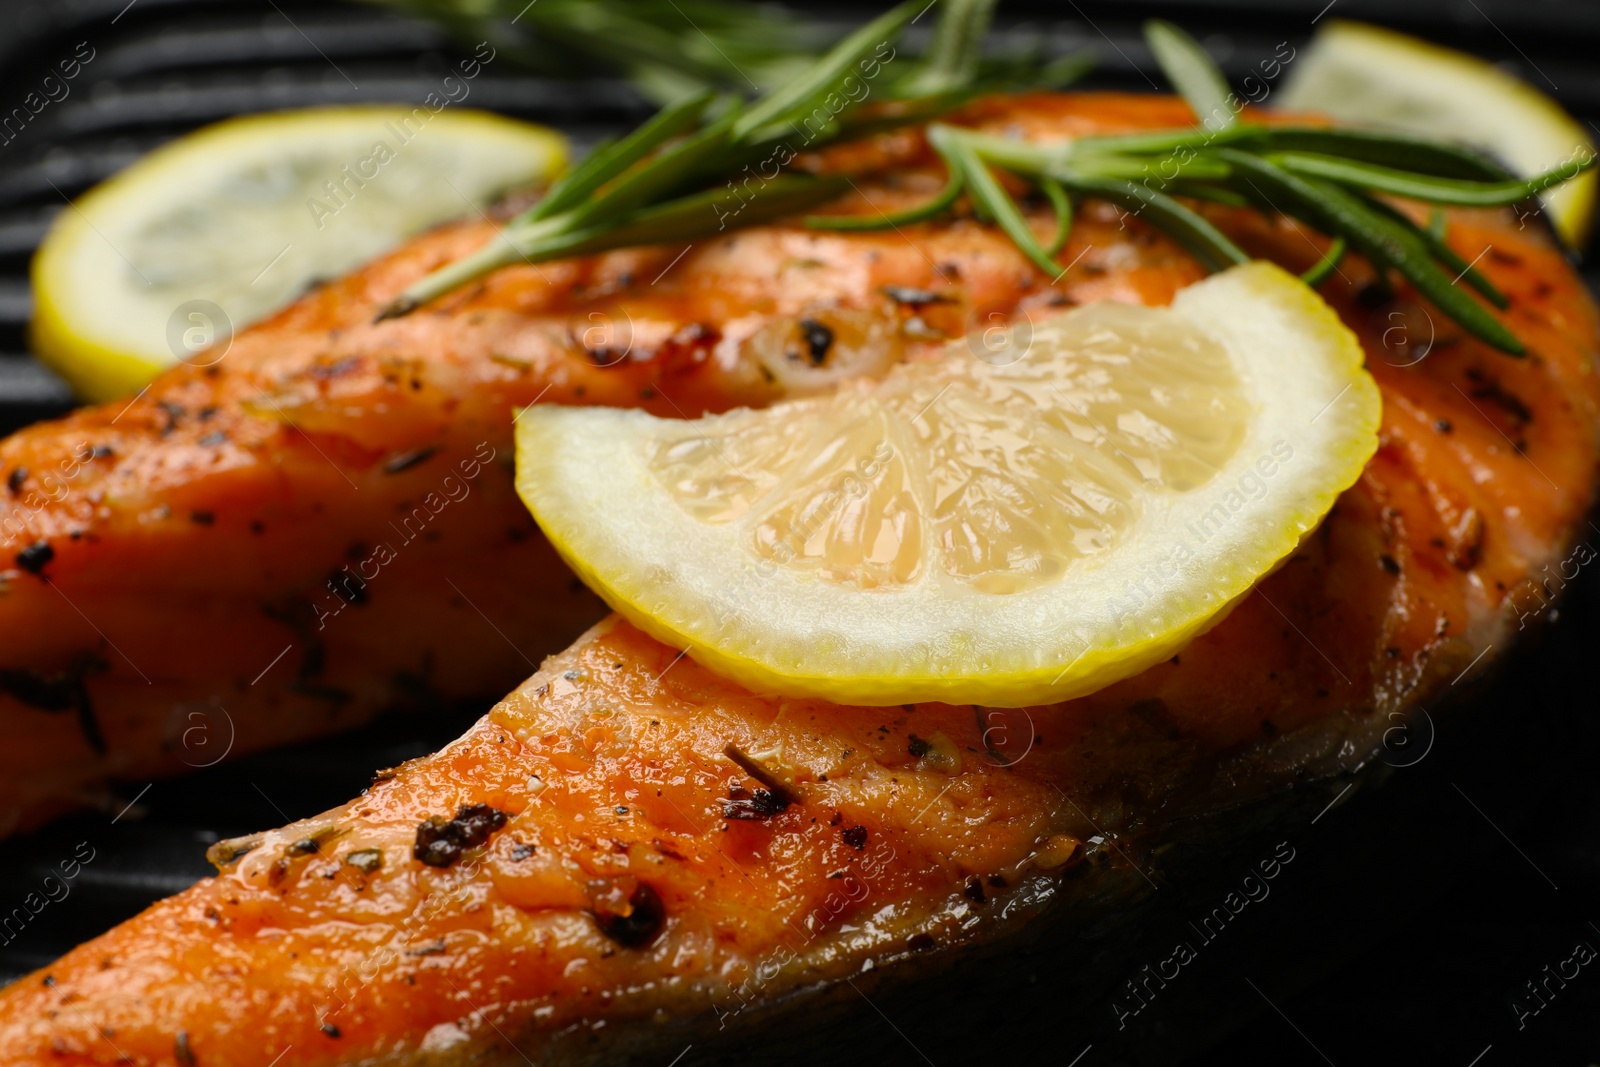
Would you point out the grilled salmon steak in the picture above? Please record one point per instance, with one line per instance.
(628, 851)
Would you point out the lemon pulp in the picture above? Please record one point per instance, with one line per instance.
(1023, 469)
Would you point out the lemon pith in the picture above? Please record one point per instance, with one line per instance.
(1025, 536)
(243, 215)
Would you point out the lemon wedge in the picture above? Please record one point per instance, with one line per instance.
(213, 231)
(1373, 76)
(1023, 525)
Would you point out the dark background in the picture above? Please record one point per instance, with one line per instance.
(1368, 957)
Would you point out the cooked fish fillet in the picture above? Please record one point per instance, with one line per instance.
(321, 524)
(592, 870)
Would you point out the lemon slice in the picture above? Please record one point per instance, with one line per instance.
(1364, 74)
(1028, 526)
(206, 234)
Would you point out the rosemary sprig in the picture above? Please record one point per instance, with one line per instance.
(1386, 240)
(797, 98)
(1434, 234)
(660, 184)
(1329, 179)
(1243, 162)
(607, 161)
(669, 180)
(652, 186)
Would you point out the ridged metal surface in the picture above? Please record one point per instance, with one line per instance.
(162, 67)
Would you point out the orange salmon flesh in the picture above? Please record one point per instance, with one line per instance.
(588, 864)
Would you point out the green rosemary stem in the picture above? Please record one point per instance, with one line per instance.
(452, 276)
(682, 219)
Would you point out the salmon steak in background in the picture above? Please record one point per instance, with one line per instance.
(598, 867)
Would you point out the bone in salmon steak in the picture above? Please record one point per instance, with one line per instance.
(592, 869)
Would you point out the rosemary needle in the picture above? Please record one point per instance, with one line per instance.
(1062, 205)
(1327, 264)
(988, 194)
(1429, 187)
(1192, 73)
